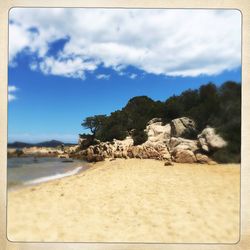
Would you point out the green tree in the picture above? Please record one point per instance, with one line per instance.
(139, 137)
(94, 123)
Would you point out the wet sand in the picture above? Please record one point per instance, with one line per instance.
(131, 201)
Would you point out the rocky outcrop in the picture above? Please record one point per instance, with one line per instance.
(157, 132)
(67, 152)
(164, 143)
(210, 141)
(123, 149)
(181, 127)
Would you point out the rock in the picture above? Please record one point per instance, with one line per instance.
(166, 156)
(201, 158)
(94, 158)
(209, 140)
(184, 156)
(118, 154)
(181, 143)
(203, 144)
(134, 151)
(130, 153)
(165, 142)
(157, 132)
(73, 149)
(105, 154)
(168, 163)
(42, 151)
(154, 120)
(96, 150)
(182, 127)
(99, 158)
(63, 156)
(124, 155)
(127, 142)
(212, 163)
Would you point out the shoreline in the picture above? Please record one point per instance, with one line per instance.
(75, 167)
(91, 165)
(47, 179)
(132, 200)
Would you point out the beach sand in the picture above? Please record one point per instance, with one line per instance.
(131, 201)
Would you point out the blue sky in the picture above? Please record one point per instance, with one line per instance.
(61, 72)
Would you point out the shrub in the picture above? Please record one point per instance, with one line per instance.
(139, 137)
(226, 156)
(190, 134)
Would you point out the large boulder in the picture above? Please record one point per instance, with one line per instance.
(157, 132)
(183, 127)
(184, 144)
(183, 156)
(203, 159)
(210, 141)
(91, 154)
(157, 152)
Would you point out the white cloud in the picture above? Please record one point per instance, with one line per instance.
(132, 76)
(11, 97)
(33, 66)
(103, 77)
(168, 42)
(69, 67)
(11, 90)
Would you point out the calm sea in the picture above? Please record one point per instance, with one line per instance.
(29, 170)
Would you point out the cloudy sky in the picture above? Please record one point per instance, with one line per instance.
(66, 64)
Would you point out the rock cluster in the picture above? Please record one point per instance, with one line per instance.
(165, 142)
(35, 151)
(43, 152)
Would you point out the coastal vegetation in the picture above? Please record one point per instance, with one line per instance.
(210, 105)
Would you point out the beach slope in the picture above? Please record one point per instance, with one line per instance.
(131, 201)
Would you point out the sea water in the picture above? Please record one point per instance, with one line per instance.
(23, 171)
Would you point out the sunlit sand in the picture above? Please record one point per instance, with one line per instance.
(131, 201)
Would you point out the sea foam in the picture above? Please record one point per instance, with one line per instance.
(53, 177)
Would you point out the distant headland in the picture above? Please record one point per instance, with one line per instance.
(51, 143)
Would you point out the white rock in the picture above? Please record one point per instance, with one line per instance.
(157, 132)
(208, 140)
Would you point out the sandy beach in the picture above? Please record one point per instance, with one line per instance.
(131, 201)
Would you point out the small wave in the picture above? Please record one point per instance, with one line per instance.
(53, 177)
